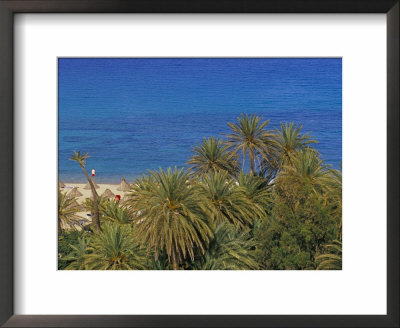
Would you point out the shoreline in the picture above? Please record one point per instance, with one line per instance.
(110, 180)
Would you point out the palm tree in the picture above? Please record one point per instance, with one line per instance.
(170, 215)
(229, 250)
(213, 155)
(331, 259)
(67, 212)
(102, 203)
(334, 195)
(289, 140)
(115, 213)
(81, 160)
(269, 168)
(307, 167)
(227, 202)
(249, 138)
(257, 189)
(114, 248)
(77, 255)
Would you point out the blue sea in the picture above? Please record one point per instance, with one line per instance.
(135, 114)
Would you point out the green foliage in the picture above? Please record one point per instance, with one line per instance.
(289, 141)
(227, 202)
(287, 215)
(101, 204)
(114, 212)
(76, 257)
(333, 198)
(331, 259)
(65, 240)
(80, 158)
(298, 227)
(308, 168)
(258, 190)
(211, 156)
(249, 138)
(170, 215)
(230, 249)
(112, 248)
(67, 213)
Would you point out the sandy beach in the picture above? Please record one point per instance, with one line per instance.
(87, 193)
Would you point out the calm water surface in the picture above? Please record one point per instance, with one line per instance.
(137, 114)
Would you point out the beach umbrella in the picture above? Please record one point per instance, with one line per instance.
(108, 194)
(87, 187)
(123, 186)
(60, 184)
(73, 204)
(74, 193)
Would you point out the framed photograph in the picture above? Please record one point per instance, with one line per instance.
(174, 163)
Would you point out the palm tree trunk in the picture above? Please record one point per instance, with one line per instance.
(174, 262)
(95, 216)
(251, 159)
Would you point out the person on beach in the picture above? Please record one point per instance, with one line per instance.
(93, 172)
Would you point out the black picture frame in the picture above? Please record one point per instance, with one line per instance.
(10, 7)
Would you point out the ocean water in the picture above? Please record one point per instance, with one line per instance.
(135, 114)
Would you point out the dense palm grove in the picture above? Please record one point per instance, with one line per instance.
(255, 198)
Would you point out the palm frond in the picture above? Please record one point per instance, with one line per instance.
(170, 215)
(114, 248)
(230, 249)
(250, 139)
(331, 259)
(212, 155)
(228, 202)
(67, 212)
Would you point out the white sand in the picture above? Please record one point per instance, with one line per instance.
(87, 193)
